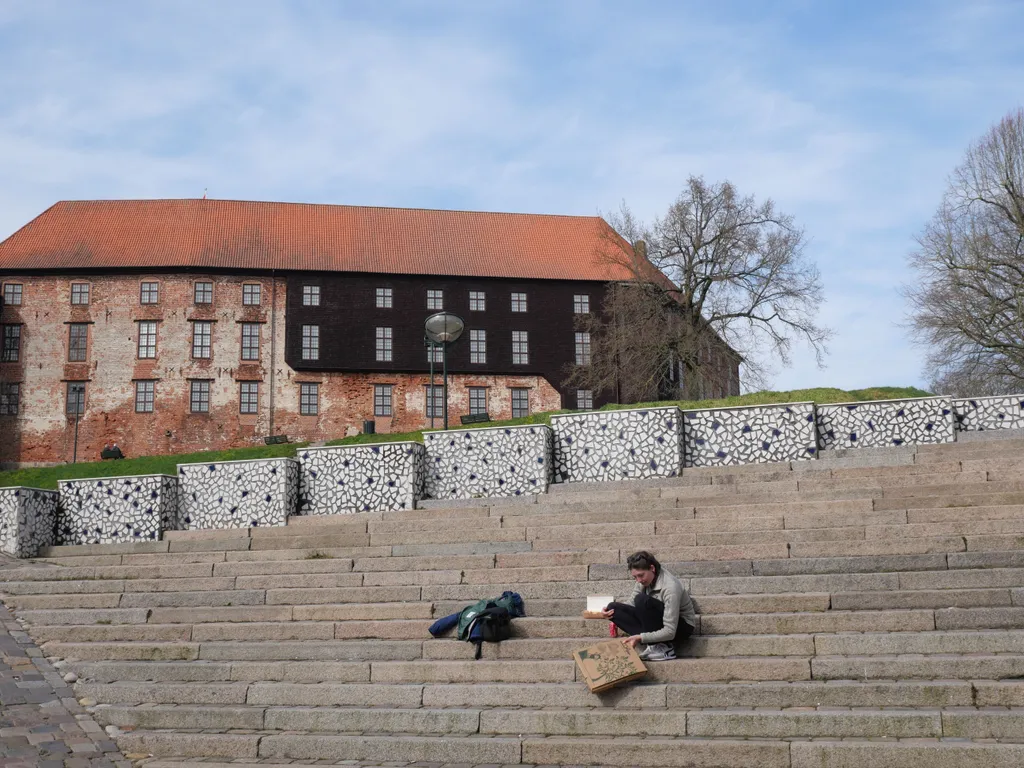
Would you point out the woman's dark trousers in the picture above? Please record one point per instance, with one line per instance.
(648, 615)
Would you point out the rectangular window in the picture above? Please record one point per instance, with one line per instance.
(251, 294)
(78, 342)
(311, 342)
(435, 401)
(581, 303)
(145, 392)
(382, 399)
(76, 397)
(384, 298)
(199, 396)
(202, 292)
(147, 339)
(309, 399)
(12, 294)
(149, 293)
(583, 348)
(10, 394)
(477, 346)
(311, 295)
(477, 301)
(478, 399)
(79, 293)
(384, 345)
(435, 353)
(584, 399)
(202, 333)
(520, 402)
(250, 341)
(435, 299)
(520, 347)
(12, 343)
(249, 397)
(518, 302)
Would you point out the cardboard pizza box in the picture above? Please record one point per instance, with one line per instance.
(607, 664)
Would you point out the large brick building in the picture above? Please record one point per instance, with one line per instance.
(177, 325)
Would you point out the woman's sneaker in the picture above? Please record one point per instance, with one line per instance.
(658, 652)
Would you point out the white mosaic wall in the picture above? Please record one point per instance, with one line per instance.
(28, 518)
(117, 509)
(477, 463)
(616, 445)
(885, 423)
(238, 494)
(749, 435)
(360, 478)
(981, 413)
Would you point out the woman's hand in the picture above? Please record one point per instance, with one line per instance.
(608, 613)
(632, 641)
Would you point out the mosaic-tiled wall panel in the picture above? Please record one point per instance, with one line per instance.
(116, 509)
(28, 518)
(615, 445)
(885, 423)
(477, 463)
(752, 435)
(981, 413)
(360, 478)
(238, 494)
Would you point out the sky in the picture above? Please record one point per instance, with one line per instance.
(849, 115)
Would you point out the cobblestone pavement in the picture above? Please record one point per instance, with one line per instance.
(42, 725)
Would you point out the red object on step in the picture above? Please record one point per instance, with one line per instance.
(611, 629)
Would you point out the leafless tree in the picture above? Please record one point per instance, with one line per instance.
(968, 298)
(718, 275)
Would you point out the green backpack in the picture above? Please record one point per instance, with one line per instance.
(510, 601)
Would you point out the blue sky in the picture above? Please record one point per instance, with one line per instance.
(850, 115)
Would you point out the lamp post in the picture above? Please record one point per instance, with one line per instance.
(442, 328)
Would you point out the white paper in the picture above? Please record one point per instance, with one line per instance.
(596, 603)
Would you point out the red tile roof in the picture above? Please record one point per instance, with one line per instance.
(291, 236)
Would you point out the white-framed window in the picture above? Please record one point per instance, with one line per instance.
(249, 397)
(311, 342)
(582, 348)
(385, 298)
(75, 398)
(584, 399)
(10, 397)
(202, 338)
(581, 303)
(199, 396)
(79, 293)
(477, 346)
(78, 342)
(477, 301)
(520, 347)
(250, 341)
(149, 292)
(435, 353)
(147, 339)
(145, 395)
(311, 295)
(382, 399)
(12, 294)
(309, 399)
(435, 401)
(12, 344)
(251, 294)
(435, 299)
(518, 302)
(385, 350)
(520, 402)
(202, 292)
(477, 400)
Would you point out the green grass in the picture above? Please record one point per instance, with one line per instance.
(47, 477)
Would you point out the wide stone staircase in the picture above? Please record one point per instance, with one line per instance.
(857, 611)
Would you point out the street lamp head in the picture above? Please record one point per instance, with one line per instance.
(444, 327)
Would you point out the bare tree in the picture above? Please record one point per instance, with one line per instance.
(718, 275)
(968, 298)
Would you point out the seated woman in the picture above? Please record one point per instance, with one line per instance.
(659, 611)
